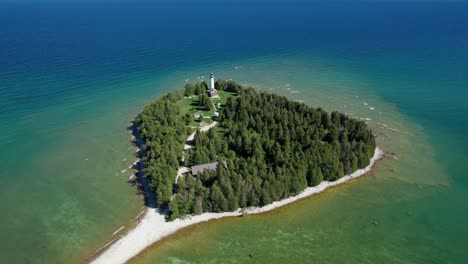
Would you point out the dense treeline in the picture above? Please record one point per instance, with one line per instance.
(164, 134)
(196, 89)
(274, 148)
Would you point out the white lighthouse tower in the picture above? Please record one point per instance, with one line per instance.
(212, 91)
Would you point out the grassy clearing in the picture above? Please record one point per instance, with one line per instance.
(190, 105)
(224, 97)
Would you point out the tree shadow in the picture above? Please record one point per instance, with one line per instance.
(139, 180)
(195, 103)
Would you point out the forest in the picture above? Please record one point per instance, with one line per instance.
(164, 132)
(273, 147)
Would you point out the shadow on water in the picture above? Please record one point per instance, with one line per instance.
(140, 180)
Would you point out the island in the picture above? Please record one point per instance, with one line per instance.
(262, 148)
(225, 150)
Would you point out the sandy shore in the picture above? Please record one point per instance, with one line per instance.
(153, 226)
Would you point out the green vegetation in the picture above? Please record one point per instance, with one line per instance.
(164, 134)
(197, 101)
(273, 147)
(204, 102)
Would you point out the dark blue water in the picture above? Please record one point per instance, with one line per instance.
(85, 45)
(67, 69)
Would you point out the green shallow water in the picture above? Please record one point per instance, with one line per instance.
(412, 197)
(72, 76)
(417, 200)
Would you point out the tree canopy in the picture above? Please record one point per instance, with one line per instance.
(164, 134)
(273, 147)
(204, 102)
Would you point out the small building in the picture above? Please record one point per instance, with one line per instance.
(197, 114)
(199, 169)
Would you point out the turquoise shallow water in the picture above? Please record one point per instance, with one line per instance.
(73, 75)
(416, 196)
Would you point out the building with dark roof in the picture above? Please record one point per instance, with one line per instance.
(208, 166)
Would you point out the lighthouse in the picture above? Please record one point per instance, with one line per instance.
(212, 91)
(212, 82)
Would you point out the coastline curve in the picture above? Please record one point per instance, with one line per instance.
(153, 226)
